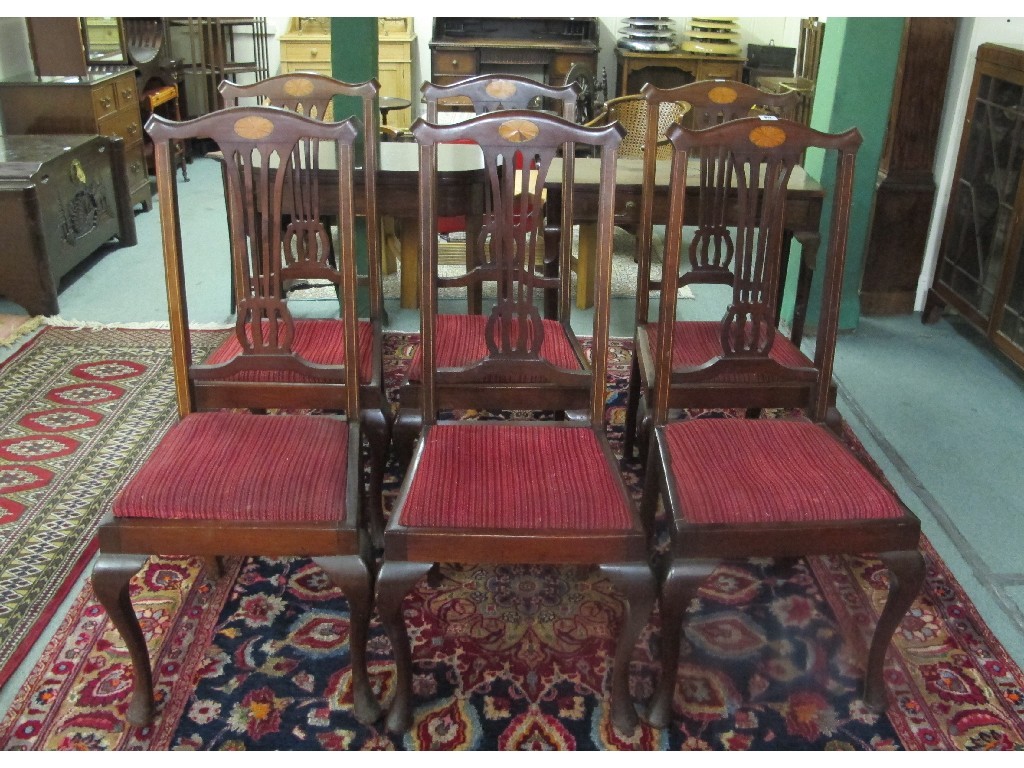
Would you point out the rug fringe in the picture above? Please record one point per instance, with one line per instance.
(29, 325)
(156, 325)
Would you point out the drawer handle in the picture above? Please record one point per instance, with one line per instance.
(136, 166)
(132, 129)
(313, 52)
(106, 102)
(455, 62)
(126, 93)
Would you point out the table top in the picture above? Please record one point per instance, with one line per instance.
(629, 172)
(388, 103)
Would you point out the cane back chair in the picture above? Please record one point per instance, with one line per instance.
(311, 95)
(768, 487)
(711, 255)
(516, 491)
(225, 481)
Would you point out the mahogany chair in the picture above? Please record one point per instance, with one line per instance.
(711, 256)
(225, 480)
(770, 487)
(461, 338)
(517, 491)
(311, 95)
(489, 93)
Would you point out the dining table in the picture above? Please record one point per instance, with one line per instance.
(460, 193)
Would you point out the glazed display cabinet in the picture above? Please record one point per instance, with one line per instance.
(980, 272)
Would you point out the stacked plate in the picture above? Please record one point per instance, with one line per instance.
(712, 35)
(649, 34)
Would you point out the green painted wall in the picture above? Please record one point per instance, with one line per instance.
(854, 89)
(354, 60)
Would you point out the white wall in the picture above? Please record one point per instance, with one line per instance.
(971, 33)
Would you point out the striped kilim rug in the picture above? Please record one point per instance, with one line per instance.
(80, 410)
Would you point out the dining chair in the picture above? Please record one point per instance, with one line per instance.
(225, 480)
(489, 93)
(463, 337)
(769, 487)
(517, 490)
(711, 250)
(311, 95)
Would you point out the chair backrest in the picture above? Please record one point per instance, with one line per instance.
(712, 102)
(311, 95)
(632, 112)
(513, 228)
(283, 173)
(760, 154)
(489, 93)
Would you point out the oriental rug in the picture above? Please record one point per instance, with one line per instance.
(80, 409)
(517, 658)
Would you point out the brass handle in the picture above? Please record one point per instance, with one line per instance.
(455, 62)
(136, 166)
(126, 93)
(630, 205)
(132, 129)
(105, 102)
(313, 52)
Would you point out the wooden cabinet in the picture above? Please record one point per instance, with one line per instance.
(61, 198)
(106, 103)
(306, 46)
(905, 194)
(543, 48)
(980, 272)
(667, 70)
(395, 45)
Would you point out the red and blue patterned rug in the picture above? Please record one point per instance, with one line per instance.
(517, 658)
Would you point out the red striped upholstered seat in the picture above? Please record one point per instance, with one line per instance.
(241, 467)
(317, 341)
(696, 342)
(490, 476)
(461, 341)
(740, 471)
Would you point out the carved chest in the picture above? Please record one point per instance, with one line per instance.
(61, 198)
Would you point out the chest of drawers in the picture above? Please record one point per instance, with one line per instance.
(106, 103)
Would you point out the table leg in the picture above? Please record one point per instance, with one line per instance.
(410, 249)
(585, 265)
(391, 245)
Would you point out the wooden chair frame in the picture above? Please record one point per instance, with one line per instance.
(696, 549)
(712, 102)
(248, 138)
(310, 94)
(411, 550)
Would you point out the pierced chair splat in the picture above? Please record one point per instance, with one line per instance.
(230, 482)
(311, 95)
(515, 491)
(712, 258)
(514, 215)
(768, 487)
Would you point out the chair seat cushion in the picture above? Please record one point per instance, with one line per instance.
(739, 471)
(243, 467)
(696, 342)
(460, 341)
(318, 341)
(515, 477)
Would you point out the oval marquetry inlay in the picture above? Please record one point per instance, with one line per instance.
(722, 94)
(500, 89)
(254, 127)
(518, 131)
(767, 136)
(299, 87)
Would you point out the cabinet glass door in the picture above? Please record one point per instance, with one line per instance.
(973, 253)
